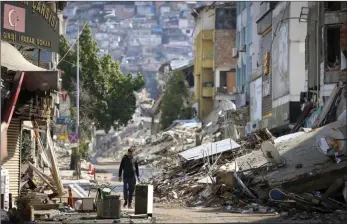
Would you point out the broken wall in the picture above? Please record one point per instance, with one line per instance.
(225, 36)
(225, 41)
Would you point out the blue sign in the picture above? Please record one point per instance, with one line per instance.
(63, 120)
(73, 137)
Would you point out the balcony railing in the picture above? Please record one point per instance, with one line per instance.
(207, 91)
(208, 55)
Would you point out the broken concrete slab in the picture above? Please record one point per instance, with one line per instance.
(209, 149)
(300, 150)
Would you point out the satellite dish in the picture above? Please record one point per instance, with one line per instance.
(328, 139)
(270, 152)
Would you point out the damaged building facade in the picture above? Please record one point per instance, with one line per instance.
(214, 66)
(326, 49)
(29, 84)
(268, 64)
(271, 63)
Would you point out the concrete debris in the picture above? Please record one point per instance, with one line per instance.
(241, 179)
(333, 110)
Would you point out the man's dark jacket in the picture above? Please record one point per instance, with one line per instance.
(129, 167)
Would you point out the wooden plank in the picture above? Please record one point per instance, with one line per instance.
(40, 144)
(54, 168)
(39, 173)
(326, 107)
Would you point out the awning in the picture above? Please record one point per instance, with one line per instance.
(35, 78)
(13, 60)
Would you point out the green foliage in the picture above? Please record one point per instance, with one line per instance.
(107, 94)
(174, 102)
(83, 150)
(26, 148)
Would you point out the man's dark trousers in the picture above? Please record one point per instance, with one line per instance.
(128, 189)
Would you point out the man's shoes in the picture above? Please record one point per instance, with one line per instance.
(125, 204)
(130, 207)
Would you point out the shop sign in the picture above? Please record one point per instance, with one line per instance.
(63, 120)
(32, 24)
(267, 63)
(62, 137)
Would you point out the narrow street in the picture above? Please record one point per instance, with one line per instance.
(234, 111)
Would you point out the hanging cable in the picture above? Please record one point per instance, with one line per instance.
(70, 46)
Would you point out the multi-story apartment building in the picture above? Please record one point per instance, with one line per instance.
(270, 68)
(326, 57)
(214, 67)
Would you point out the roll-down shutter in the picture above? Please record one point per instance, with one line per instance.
(266, 47)
(12, 162)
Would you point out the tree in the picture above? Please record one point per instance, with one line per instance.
(106, 95)
(175, 101)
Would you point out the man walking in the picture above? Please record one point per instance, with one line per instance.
(130, 168)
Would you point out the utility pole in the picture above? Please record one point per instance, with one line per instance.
(78, 98)
(78, 84)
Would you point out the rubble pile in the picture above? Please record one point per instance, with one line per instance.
(257, 173)
(205, 181)
(162, 149)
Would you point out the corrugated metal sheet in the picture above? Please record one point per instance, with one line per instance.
(12, 162)
(209, 149)
(266, 47)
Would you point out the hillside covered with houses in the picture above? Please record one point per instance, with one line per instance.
(141, 35)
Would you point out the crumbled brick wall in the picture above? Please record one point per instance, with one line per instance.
(225, 41)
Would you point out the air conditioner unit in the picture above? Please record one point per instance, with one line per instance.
(242, 48)
(235, 53)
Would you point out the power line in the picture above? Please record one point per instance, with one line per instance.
(74, 64)
(71, 46)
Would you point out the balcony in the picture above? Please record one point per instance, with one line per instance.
(207, 91)
(207, 60)
(222, 90)
(207, 34)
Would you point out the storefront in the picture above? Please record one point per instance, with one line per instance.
(27, 89)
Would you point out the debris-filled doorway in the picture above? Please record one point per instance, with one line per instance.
(223, 79)
(333, 51)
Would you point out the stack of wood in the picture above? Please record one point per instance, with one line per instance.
(48, 156)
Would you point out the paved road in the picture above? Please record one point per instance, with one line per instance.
(107, 172)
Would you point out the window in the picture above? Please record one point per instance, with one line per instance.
(333, 55)
(238, 40)
(242, 41)
(333, 6)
